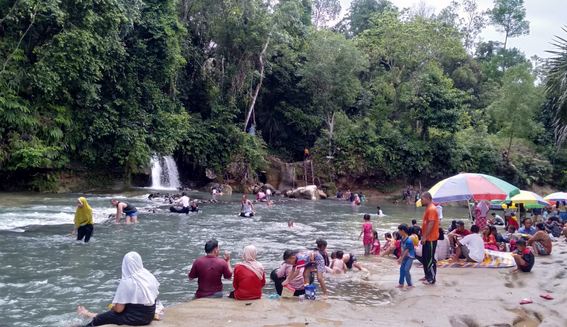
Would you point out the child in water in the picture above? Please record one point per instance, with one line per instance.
(375, 250)
(338, 266)
(366, 234)
(387, 242)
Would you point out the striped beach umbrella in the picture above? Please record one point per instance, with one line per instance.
(529, 200)
(557, 196)
(472, 187)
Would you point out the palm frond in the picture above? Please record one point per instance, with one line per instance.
(556, 86)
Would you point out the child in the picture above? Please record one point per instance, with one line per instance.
(338, 266)
(375, 250)
(489, 239)
(367, 232)
(523, 256)
(387, 242)
(407, 256)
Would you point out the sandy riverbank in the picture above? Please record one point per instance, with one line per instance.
(462, 297)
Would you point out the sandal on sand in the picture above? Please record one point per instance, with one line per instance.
(526, 301)
(546, 296)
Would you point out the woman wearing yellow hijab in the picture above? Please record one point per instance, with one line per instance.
(83, 220)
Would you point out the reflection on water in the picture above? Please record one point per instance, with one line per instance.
(44, 273)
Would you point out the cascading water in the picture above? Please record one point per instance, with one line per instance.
(164, 173)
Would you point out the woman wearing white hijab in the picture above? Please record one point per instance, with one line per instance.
(249, 276)
(135, 299)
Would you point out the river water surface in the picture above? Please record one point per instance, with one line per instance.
(45, 274)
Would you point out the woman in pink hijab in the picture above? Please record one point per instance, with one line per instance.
(249, 276)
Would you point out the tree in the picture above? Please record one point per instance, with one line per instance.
(331, 75)
(325, 11)
(359, 14)
(556, 87)
(470, 24)
(515, 108)
(509, 17)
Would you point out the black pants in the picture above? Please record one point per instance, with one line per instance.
(133, 315)
(85, 231)
(177, 210)
(428, 261)
(278, 284)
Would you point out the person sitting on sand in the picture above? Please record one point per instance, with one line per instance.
(489, 239)
(129, 210)
(553, 226)
(527, 228)
(375, 250)
(523, 257)
(135, 300)
(83, 220)
(471, 247)
(512, 220)
(181, 205)
(540, 242)
(457, 233)
(246, 207)
(496, 219)
(209, 269)
(407, 256)
(452, 227)
(289, 273)
(338, 266)
(249, 277)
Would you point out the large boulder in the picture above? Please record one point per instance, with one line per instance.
(308, 192)
(322, 195)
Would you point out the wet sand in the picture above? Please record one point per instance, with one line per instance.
(463, 297)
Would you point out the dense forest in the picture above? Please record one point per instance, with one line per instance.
(383, 94)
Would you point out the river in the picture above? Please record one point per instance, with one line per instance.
(45, 274)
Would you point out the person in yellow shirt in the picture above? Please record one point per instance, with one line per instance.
(83, 220)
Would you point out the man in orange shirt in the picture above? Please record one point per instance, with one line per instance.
(429, 237)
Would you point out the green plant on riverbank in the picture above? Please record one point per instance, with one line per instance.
(387, 95)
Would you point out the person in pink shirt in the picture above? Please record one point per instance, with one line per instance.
(289, 273)
(209, 270)
(366, 234)
(375, 250)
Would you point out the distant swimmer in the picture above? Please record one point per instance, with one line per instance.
(380, 212)
(83, 220)
(126, 208)
(246, 207)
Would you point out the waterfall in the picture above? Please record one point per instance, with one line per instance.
(164, 173)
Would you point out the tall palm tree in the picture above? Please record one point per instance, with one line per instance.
(556, 86)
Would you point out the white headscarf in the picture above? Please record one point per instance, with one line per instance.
(250, 262)
(138, 285)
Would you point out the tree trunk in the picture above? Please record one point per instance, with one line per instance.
(259, 86)
(331, 126)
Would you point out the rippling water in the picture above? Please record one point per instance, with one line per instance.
(45, 274)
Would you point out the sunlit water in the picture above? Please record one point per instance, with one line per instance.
(45, 274)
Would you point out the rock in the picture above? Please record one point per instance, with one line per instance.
(270, 187)
(308, 192)
(322, 195)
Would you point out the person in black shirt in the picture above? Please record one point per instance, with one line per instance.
(524, 257)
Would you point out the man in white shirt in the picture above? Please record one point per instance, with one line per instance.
(181, 205)
(470, 247)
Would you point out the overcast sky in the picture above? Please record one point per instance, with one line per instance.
(546, 19)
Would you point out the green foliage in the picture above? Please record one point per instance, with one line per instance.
(509, 17)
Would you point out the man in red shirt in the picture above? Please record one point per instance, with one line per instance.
(209, 270)
(458, 233)
(429, 237)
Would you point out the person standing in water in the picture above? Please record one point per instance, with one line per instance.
(246, 207)
(126, 208)
(366, 234)
(430, 235)
(83, 220)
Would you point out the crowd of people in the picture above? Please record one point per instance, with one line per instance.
(136, 297)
